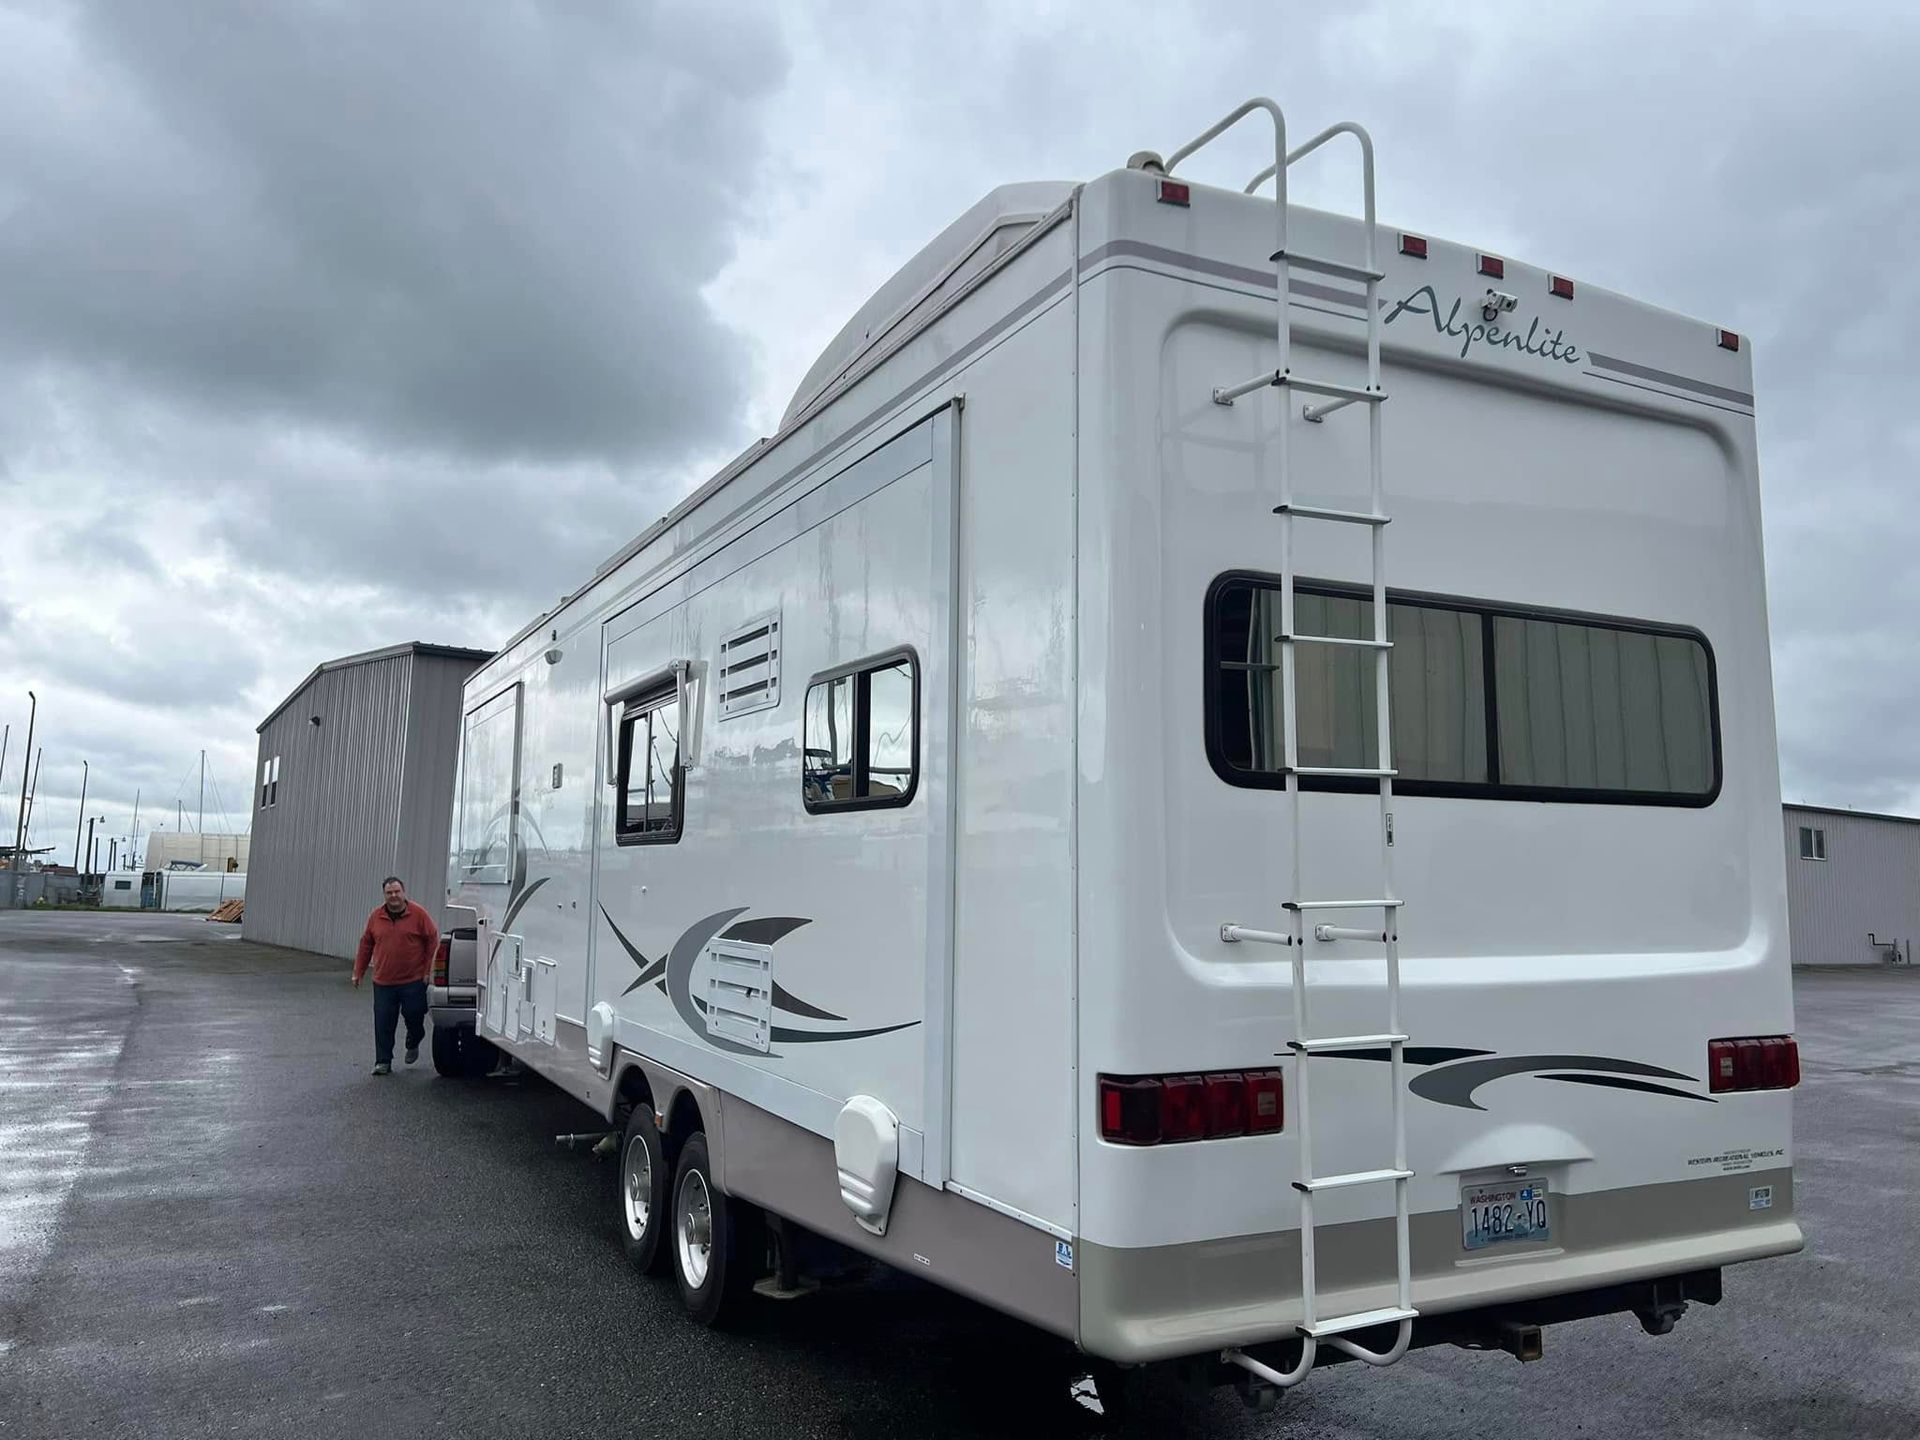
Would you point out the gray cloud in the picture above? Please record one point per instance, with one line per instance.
(474, 228)
(327, 325)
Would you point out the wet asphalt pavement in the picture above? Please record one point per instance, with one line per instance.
(214, 1222)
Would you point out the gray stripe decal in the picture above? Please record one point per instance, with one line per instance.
(1241, 274)
(1615, 1082)
(1679, 382)
(1201, 265)
(1455, 1084)
(1667, 394)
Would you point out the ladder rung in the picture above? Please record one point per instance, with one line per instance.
(1359, 1320)
(1342, 1042)
(1353, 932)
(1328, 267)
(1340, 640)
(1341, 904)
(1350, 1179)
(1348, 772)
(1346, 517)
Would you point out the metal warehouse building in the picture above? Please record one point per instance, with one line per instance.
(355, 782)
(1853, 886)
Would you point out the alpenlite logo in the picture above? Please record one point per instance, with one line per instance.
(1536, 340)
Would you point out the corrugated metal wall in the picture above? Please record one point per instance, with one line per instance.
(320, 851)
(1869, 882)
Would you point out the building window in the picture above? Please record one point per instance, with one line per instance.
(652, 786)
(1487, 701)
(860, 735)
(1813, 843)
(269, 783)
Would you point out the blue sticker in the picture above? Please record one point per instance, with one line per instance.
(1063, 1254)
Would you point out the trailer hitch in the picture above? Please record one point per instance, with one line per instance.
(1666, 1303)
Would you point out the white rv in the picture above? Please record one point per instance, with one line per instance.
(1034, 821)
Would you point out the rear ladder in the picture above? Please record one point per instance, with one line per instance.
(1301, 912)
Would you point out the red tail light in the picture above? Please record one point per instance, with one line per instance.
(1561, 286)
(1227, 1104)
(1173, 1109)
(440, 960)
(1414, 245)
(1183, 1108)
(1768, 1062)
(1266, 1102)
(1130, 1110)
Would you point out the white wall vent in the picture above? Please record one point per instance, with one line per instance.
(740, 993)
(749, 666)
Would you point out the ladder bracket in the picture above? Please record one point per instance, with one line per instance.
(1232, 934)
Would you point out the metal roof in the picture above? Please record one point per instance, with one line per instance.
(367, 657)
(1857, 814)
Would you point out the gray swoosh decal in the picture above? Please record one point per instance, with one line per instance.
(1615, 1082)
(1412, 1054)
(786, 1000)
(803, 1037)
(1454, 1084)
(519, 902)
(680, 962)
(767, 930)
(649, 969)
(770, 930)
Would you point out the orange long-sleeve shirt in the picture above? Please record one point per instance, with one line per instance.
(400, 950)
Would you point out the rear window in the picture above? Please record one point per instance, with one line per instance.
(1487, 701)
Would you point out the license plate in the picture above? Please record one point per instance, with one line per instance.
(1507, 1210)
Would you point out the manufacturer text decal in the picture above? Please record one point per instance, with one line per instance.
(1469, 331)
(1742, 1159)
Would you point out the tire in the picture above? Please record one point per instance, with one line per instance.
(715, 1259)
(449, 1043)
(643, 1192)
(477, 1057)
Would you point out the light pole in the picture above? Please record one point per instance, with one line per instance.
(20, 822)
(33, 794)
(81, 816)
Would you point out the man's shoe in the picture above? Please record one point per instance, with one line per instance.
(413, 1053)
(383, 1068)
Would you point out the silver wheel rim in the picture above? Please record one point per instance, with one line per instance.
(636, 1186)
(695, 1240)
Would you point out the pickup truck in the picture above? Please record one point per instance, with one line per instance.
(458, 1051)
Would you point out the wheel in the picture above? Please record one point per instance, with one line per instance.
(716, 1253)
(477, 1057)
(449, 1041)
(644, 1183)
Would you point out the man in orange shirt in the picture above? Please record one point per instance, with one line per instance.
(399, 941)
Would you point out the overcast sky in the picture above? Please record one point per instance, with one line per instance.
(327, 325)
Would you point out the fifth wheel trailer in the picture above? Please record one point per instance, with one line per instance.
(1015, 823)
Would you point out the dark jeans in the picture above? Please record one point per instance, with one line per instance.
(390, 1002)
